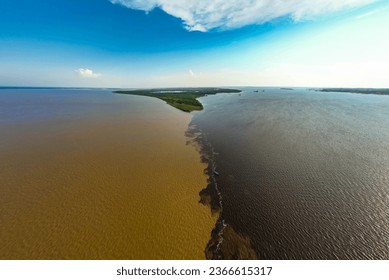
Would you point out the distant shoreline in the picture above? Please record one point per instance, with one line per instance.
(376, 91)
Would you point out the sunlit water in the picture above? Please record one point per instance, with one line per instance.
(303, 174)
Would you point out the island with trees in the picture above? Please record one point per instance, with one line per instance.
(184, 99)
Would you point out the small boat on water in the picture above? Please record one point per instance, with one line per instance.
(255, 90)
(216, 173)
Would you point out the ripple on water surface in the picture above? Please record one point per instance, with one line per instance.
(304, 174)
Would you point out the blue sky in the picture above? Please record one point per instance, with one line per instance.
(157, 43)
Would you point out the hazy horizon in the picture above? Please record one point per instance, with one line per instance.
(178, 87)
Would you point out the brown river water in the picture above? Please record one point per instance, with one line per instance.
(87, 174)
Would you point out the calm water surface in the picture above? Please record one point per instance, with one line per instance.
(303, 174)
(88, 174)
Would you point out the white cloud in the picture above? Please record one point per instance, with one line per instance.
(87, 73)
(191, 73)
(204, 15)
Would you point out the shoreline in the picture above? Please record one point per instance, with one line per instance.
(374, 91)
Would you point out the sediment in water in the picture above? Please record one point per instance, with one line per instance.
(116, 181)
(225, 242)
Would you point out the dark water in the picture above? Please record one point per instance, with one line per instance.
(303, 174)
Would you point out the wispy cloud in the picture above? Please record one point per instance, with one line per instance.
(368, 14)
(204, 15)
(87, 73)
